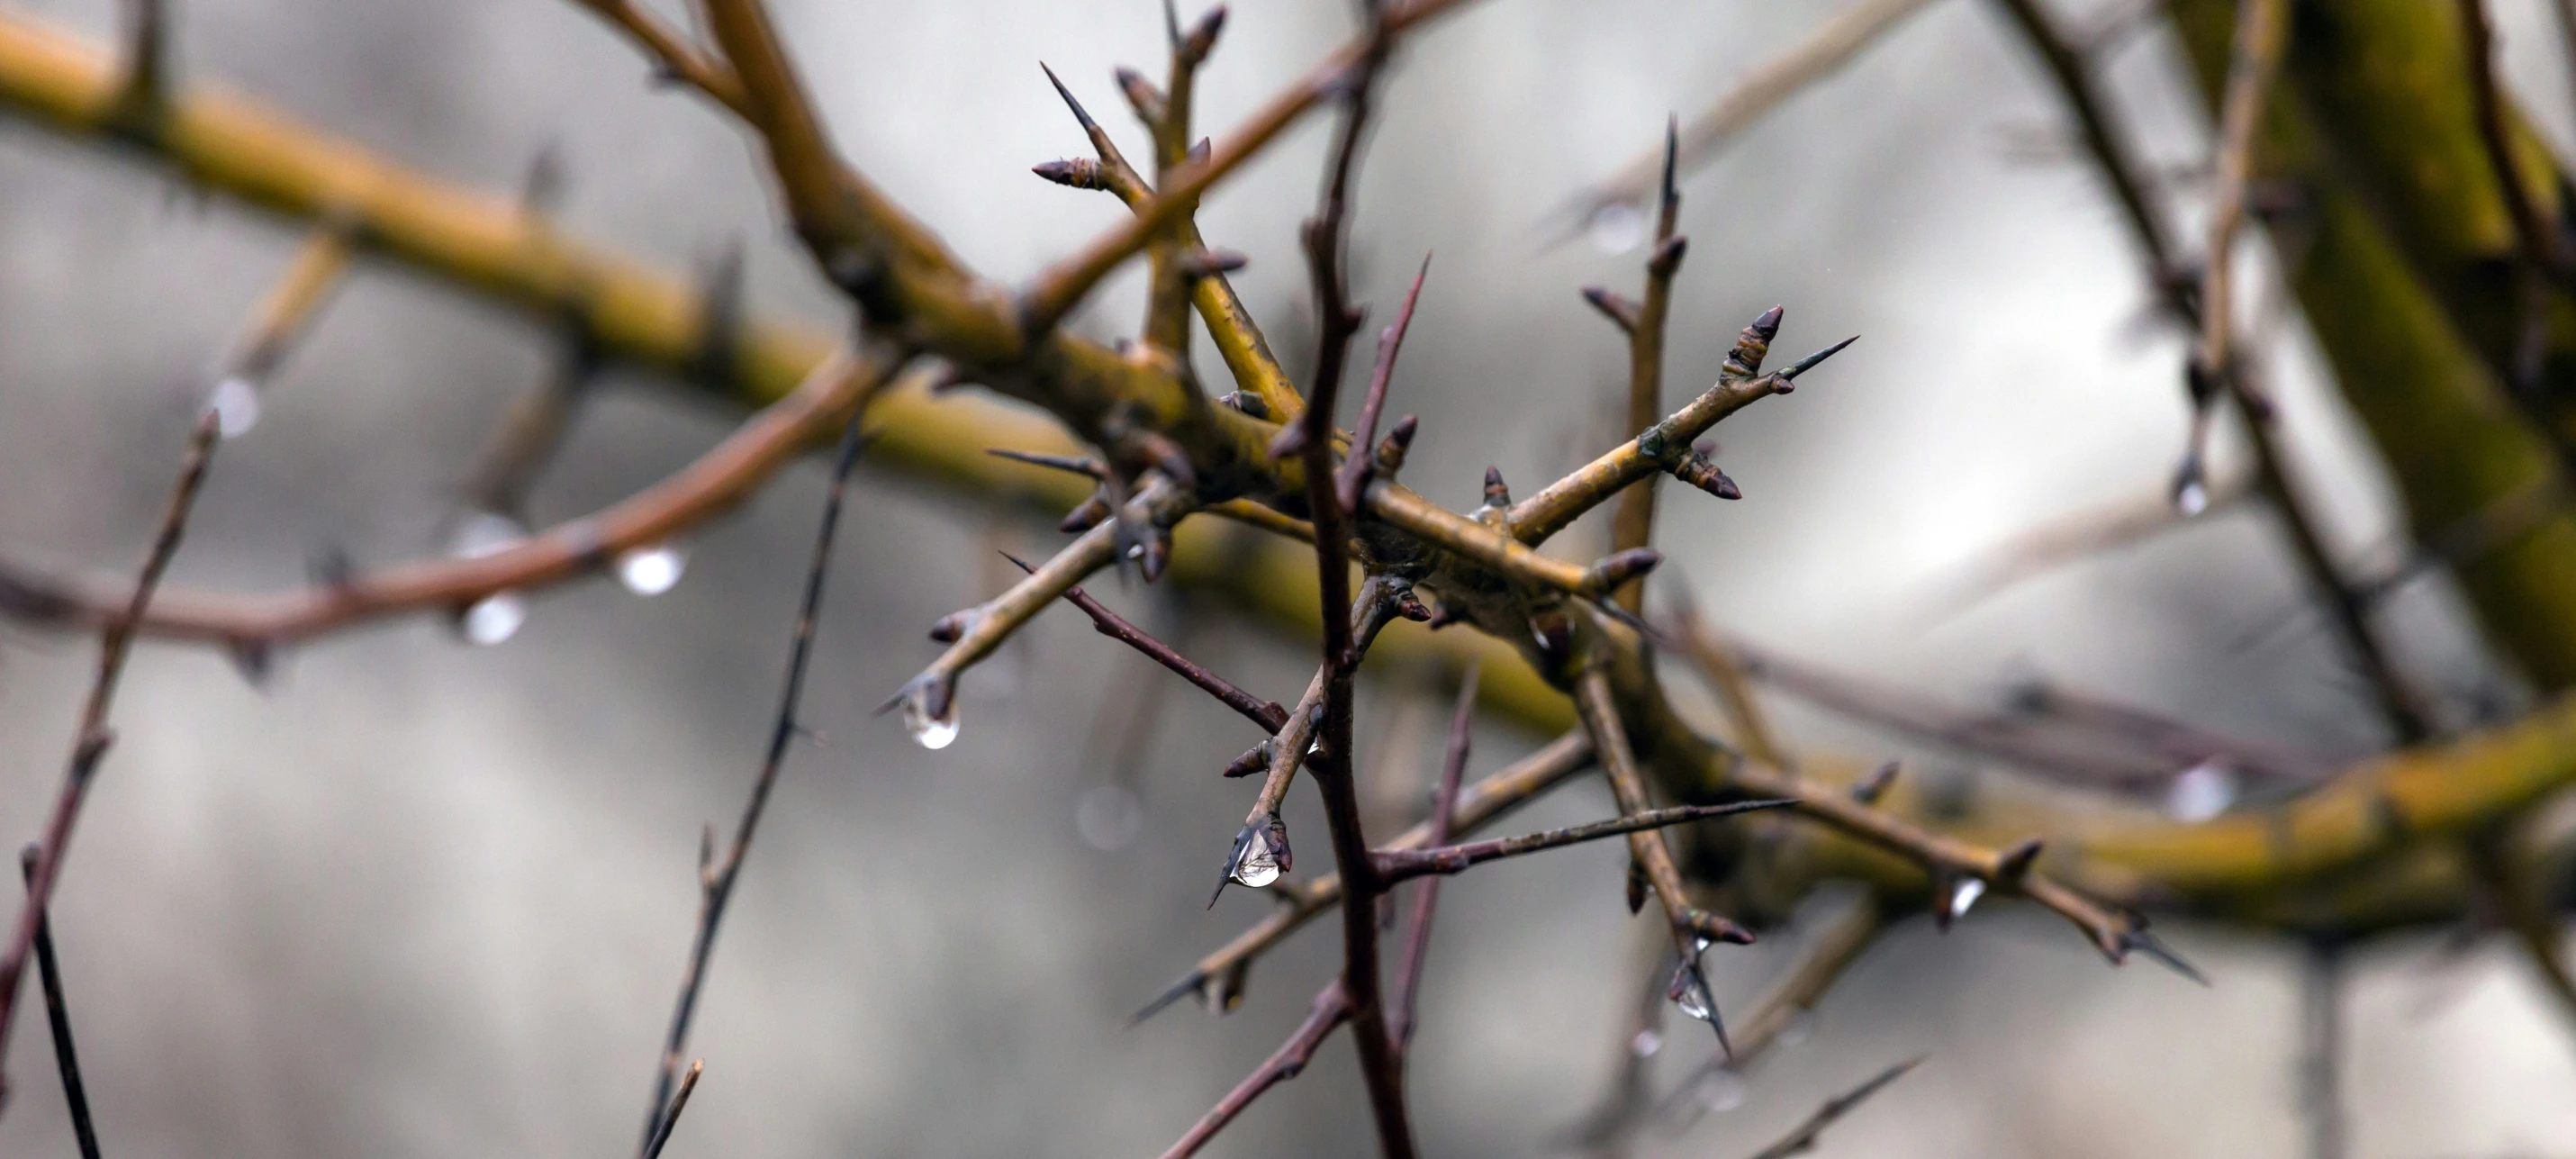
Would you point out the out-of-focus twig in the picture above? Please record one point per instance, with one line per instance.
(58, 1018)
(1802, 1138)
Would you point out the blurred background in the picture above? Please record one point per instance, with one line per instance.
(415, 897)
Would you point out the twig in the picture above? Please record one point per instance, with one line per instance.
(1632, 522)
(1803, 1139)
(1404, 865)
(1330, 1009)
(1265, 713)
(1356, 465)
(1822, 960)
(2077, 535)
(671, 1118)
(2084, 96)
(58, 1018)
(716, 879)
(719, 479)
(1426, 896)
(673, 54)
(1758, 92)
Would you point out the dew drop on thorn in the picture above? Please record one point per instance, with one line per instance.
(653, 570)
(236, 405)
(1965, 896)
(931, 732)
(494, 618)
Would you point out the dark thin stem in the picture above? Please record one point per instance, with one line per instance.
(1426, 897)
(2321, 1049)
(1331, 1008)
(1325, 239)
(2533, 236)
(1265, 713)
(49, 975)
(91, 742)
(1632, 521)
(1803, 1139)
(716, 882)
(1356, 466)
(671, 1118)
(1404, 865)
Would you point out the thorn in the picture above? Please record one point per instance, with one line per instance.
(2016, 862)
(1201, 263)
(1392, 449)
(1171, 994)
(1496, 494)
(2154, 947)
(1078, 464)
(1809, 362)
(1084, 516)
(1199, 152)
(1620, 311)
(1637, 887)
(1620, 567)
(1079, 113)
(1672, 194)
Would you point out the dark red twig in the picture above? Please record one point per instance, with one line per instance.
(1426, 897)
(1356, 465)
(91, 743)
(1405, 864)
(1803, 1139)
(1265, 713)
(1331, 1008)
(716, 881)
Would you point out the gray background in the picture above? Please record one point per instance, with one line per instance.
(418, 898)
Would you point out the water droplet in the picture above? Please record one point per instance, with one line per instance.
(930, 714)
(1647, 1042)
(2192, 499)
(651, 571)
(236, 405)
(1135, 551)
(1964, 896)
(494, 618)
(1258, 864)
(1689, 993)
(1699, 946)
(2201, 792)
(1107, 817)
(1617, 227)
(1720, 1091)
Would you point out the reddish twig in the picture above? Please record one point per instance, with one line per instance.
(1396, 866)
(1265, 713)
(1331, 1008)
(1356, 465)
(1426, 897)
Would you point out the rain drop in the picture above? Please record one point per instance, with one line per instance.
(651, 571)
(2192, 499)
(1647, 1042)
(1689, 993)
(1107, 817)
(2201, 792)
(933, 726)
(494, 618)
(1964, 897)
(1259, 864)
(1617, 227)
(235, 403)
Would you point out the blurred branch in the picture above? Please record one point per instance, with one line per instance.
(1426, 896)
(1802, 1139)
(58, 1018)
(1760, 90)
(1330, 1009)
(2072, 537)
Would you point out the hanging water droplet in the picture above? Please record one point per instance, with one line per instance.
(1647, 1042)
(1964, 896)
(235, 403)
(1617, 227)
(653, 570)
(494, 618)
(1689, 993)
(1258, 865)
(1720, 1091)
(2201, 792)
(1699, 946)
(2192, 499)
(930, 714)
(1108, 817)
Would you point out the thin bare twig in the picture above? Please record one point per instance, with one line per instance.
(1394, 866)
(58, 1018)
(1632, 521)
(671, 1117)
(716, 879)
(1265, 713)
(1426, 896)
(1802, 1139)
(1331, 1008)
